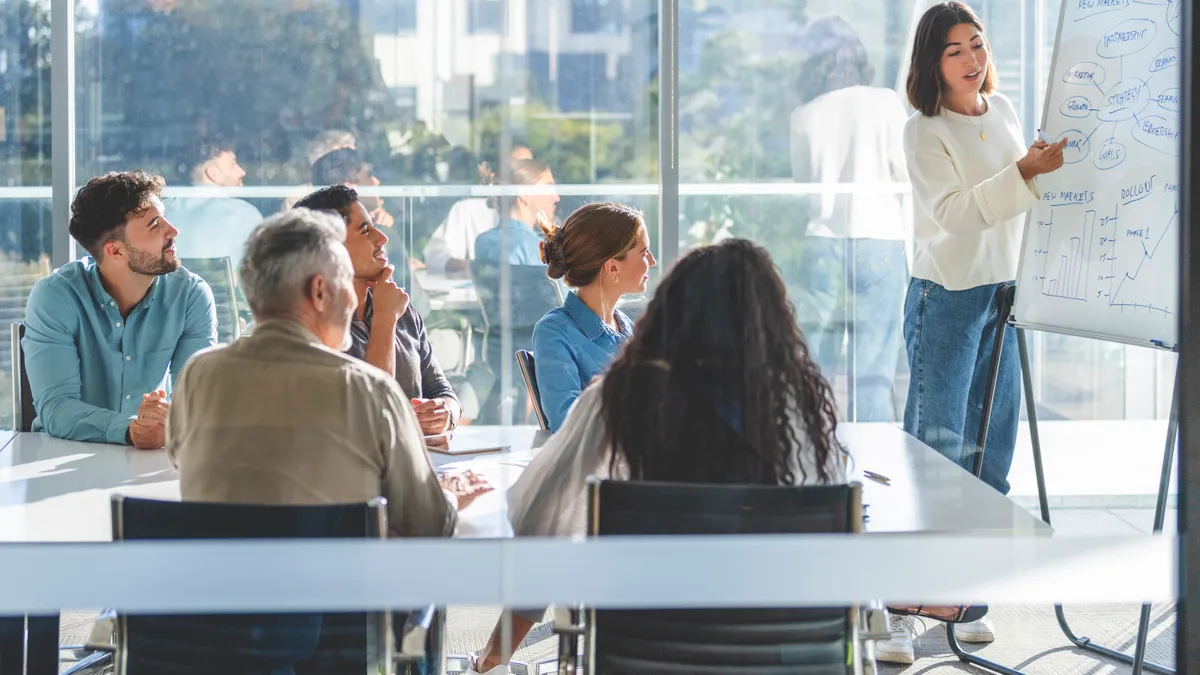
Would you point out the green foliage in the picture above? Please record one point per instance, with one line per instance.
(734, 128)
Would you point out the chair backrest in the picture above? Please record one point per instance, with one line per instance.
(23, 410)
(526, 364)
(761, 640)
(250, 643)
(218, 272)
(532, 294)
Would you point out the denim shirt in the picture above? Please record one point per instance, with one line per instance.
(521, 245)
(89, 366)
(571, 345)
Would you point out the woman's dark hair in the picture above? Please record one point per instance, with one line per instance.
(716, 385)
(924, 70)
(836, 59)
(336, 198)
(590, 237)
(102, 207)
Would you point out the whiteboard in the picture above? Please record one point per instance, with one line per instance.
(1100, 256)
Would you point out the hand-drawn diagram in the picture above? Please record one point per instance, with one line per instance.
(1104, 232)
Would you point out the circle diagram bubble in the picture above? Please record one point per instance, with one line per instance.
(1076, 106)
(1087, 72)
(1173, 17)
(1166, 58)
(1169, 100)
(1158, 133)
(1109, 154)
(1124, 100)
(1077, 146)
(1128, 37)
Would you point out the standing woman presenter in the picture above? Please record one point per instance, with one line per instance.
(972, 182)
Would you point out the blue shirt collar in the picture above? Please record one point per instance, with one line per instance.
(520, 226)
(91, 271)
(591, 325)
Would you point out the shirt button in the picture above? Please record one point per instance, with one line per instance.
(118, 324)
(128, 358)
(127, 397)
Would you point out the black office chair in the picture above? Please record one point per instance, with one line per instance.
(801, 641)
(23, 412)
(529, 374)
(218, 272)
(261, 643)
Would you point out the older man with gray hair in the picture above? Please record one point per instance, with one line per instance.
(283, 417)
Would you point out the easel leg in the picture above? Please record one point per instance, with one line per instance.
(1004, 303)
(1160, 514)
(1137, 660)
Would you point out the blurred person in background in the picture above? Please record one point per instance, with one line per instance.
(451, 247)
(216, 226)
(515, 244)
(322, 144)
(847, 134)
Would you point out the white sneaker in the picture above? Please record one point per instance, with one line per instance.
(976, 631)
(501, 669)
(899, 649)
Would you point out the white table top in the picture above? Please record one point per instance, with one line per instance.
(56, 490)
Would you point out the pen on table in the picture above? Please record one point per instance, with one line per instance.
(877, 477)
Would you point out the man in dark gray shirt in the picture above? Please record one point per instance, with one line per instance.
(386, 331)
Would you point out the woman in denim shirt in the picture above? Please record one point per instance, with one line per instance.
(603, 252)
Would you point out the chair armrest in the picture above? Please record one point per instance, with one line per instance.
(568, 620)
(873, 622)
(415, 632)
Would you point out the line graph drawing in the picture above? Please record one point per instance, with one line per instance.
(1147, 257)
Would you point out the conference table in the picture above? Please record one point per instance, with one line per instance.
(52, 490)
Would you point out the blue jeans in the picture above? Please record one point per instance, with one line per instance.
(854, 288)
(949, 336)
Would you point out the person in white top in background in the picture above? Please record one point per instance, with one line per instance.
(972, 181)
(854, 266)
(451, 247)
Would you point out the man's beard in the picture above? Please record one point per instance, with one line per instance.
(151, 265)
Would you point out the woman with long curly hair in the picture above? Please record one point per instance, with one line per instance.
(715, 386)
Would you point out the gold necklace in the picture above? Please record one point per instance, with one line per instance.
(982, 136)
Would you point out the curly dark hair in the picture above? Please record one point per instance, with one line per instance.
(104, 205)
(335, 198)
(716, 385)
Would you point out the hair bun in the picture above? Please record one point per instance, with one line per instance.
(553, 255)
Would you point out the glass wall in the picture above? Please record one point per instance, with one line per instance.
(462, 122)
(25, 236)
(234, 103)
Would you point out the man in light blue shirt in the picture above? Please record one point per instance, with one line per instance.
(105, 335)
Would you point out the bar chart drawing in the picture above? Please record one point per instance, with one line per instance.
(1066, 275)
